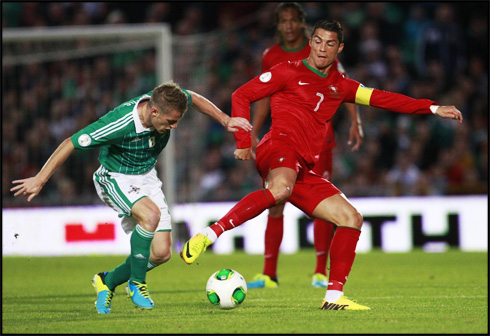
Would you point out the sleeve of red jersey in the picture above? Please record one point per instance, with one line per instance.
(259, 87)
(396, 102)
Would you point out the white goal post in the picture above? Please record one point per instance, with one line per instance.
(124, 38)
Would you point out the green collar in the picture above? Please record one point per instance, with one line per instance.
(314, 70)
(294, 49)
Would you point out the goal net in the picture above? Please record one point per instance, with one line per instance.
(65, 78)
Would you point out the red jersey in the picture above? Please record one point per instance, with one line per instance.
(278, 54)
(303, 100)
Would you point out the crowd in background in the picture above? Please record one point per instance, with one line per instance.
(425, 50)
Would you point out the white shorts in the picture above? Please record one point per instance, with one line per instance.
(121, 192)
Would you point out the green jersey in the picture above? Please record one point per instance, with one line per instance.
(127, 147)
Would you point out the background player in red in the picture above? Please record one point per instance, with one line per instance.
(293, 45)
(305, 95)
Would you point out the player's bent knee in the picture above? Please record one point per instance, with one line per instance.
(147, 214)
(150, 224)
(358, 220)
(352, 219)
(281, 194)
(151, 219)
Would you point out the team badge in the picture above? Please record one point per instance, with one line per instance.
(265, 77)
(340, 68)
(134, 189)
(84, 140)
(334, 91)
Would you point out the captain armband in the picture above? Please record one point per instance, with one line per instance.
(363, 95)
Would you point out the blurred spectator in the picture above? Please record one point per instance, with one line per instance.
(158, 12)
(191, 23)
(97, 11)
(354, 14)
(31, 15)
(371, 51)
(116, 17)
(387, 17)
(11, 14)
(477, 35)
(398, 77)
(314, 11)
(478, 73)
(413, 27)
(443, 42)
(403, 176)
(213, 174)
(56, 14)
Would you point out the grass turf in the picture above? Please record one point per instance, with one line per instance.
(413, 292)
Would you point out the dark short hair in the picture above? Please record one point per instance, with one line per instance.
(294, 5)
(169, 96)
(331, 26)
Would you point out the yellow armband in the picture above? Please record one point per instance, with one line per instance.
(363, 95)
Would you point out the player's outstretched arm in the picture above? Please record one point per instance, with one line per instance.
(205, 106)
(397, 102)
(450, 112)
(32, 186)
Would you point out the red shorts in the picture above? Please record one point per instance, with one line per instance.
(310, 188)
(323, 166)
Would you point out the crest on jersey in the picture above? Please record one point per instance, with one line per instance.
(265, 77)
(134, 189)
(84, 140)
(334, 91)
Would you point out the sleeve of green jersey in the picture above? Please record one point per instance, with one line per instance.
(108, 129)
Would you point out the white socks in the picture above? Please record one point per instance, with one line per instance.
(209, 233)
(333, 295)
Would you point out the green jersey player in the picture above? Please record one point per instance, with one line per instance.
(130, 138)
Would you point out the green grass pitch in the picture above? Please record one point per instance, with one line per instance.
(413, 292)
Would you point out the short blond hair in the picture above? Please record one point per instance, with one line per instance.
(169, 96)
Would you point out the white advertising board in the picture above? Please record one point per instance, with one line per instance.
(390, 224)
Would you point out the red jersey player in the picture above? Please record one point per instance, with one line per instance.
(304, 95)
(293, 45)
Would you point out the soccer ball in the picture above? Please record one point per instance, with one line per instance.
(226, 289)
